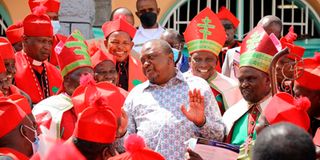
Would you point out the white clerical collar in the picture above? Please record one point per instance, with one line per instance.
(36, 63)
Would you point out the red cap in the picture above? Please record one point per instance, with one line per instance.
(20, 100)
(73, 53)
(101, 56)
(137, 150)
(63, 151)
(205, 33)
(96, 124)
(6, 49)
(290, 36)
(284, 108)
(295, 52)
(100, 94)
(2, 66)
(14, 32)
(38, 24)
(118, 25)
(224, 13)
(310, 75)
(10, 116)
(52, 5)
(257, 50)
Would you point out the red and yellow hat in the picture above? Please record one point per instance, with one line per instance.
(137, 150)
(96, 124)
(11, 116)
(38, 24)
(73, 53)
(310, 74)
(101, 56)
(14, 32)
(295, 52)
(119, 24)
(224, 13)
(52, 5)
(102, 94)
(6, 49)
(284, 108)
(205, 33)
(257, 50)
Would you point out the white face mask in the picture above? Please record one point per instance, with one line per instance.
(35, 144)
(56, 26)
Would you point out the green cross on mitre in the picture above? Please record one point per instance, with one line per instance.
(253, 41)
(79, 43)
(206, 26)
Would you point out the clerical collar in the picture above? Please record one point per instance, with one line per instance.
(36, 63)
(32, 61)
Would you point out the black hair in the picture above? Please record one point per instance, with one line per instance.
(91, 150)
(284, 141)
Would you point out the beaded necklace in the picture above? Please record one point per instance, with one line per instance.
(42, 88)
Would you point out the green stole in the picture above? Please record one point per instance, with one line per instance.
(240, 130)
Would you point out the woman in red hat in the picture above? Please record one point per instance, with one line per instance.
(119, 34)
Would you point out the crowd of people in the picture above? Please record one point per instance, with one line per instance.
(141, 93)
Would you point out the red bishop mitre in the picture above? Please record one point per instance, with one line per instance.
(101, 56)
(136, 150)
(73, 53)
(284, 108)
(224, 13)
(99, 94)
(257, 50)
(14, 32)
(38, 24)
(309, 73)
(6, 49)
(119, 24)
(96, 124)
(295, 52)
(205, 33)
(11, 116)
(52, 5)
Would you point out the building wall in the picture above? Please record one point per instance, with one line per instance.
(17, 9)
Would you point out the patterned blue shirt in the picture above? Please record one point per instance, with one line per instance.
(154, 113)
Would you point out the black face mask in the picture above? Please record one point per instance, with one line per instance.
(148, 19)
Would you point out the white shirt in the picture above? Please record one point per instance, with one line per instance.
(144, 35)
(231, 64)
(154, 113)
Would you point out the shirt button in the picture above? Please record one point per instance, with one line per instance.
(252, 122)
(254, 112)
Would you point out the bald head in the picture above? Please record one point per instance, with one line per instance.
(173, 37)
(271, 24)
(123, 11)
(158, 44)
(153, 2)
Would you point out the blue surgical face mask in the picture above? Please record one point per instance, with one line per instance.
(56, 26)
(35, 144)
(175, 54)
